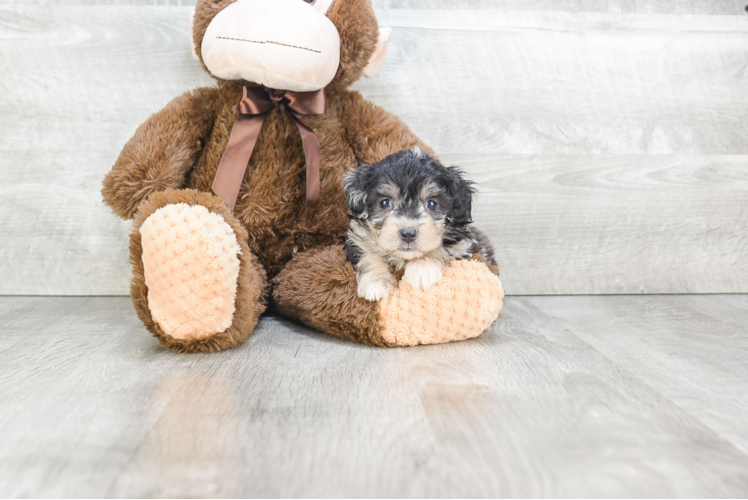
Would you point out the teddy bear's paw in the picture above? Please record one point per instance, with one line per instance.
(461, 305)
(191, 265)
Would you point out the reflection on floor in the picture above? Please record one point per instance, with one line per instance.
(563, 396)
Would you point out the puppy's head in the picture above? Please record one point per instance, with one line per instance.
(405, 203)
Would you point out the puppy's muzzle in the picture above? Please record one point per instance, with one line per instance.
(408, 234)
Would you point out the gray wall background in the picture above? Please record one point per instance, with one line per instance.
(609, 139)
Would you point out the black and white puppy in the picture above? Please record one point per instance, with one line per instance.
(408, 211)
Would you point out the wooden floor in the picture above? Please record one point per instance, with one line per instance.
(565, 396)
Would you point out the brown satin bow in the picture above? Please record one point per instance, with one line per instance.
(254, 107)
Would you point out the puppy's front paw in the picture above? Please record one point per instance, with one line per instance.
(376, 288)
(422, 273)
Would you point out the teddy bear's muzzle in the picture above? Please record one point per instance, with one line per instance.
(281, 44)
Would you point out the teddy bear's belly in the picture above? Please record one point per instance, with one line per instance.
(272, 199)
(279, 225)
(271, 205)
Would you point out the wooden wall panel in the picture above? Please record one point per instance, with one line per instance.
(76, 82)
(729, 7)
(546, 83)
(579, 224)
(609, 149)
(725, 7)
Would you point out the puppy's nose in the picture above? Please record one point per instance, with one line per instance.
(408, 234)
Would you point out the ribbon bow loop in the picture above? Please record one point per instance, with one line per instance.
(255, 101)
(254, 107)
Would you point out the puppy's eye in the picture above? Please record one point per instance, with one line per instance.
(431, 205)
(385, 203)
(310, 2)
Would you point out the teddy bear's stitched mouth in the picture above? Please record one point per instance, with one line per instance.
(267, 41)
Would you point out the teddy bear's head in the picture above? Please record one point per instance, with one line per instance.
(297, 45)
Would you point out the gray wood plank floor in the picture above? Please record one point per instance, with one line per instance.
(565, 396)
(609, 148)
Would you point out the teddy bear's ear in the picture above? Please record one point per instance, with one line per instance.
(380, 52)
(192, 39)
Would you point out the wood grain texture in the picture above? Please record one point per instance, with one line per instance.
(77, 81)
(609, 149)
(576, 224)
(725, 7)
(145, 3)
(571, 83)
(679, 334)
(729, 7)
(563, 397)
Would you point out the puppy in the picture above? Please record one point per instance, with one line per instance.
(408, 212)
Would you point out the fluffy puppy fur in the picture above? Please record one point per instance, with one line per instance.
(408, 212)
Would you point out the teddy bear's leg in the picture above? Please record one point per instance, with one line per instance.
(319, 289)
(196, 285)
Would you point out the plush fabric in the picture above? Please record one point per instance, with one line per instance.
(301, 53)
(161, 153)
(380, 52)
(461, 305)
(172, 160)
(319, 289)
(271, 203)
(191, 266)
(251, 284)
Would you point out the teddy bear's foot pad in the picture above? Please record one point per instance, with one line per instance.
(191, 266)
(461, 305)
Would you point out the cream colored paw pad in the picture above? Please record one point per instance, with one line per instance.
(459, 306)
(191, 265)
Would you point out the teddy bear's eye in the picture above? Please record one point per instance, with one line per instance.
(310, 2)
(385, 203)
(431, 205)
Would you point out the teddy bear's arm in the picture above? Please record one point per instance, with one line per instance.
(373, 132)
(162, 151)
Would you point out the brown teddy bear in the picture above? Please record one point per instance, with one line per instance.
(236, 194)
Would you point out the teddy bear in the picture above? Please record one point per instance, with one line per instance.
(235, 190)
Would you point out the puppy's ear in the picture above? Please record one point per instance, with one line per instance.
(461, 191)
(354, 186)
